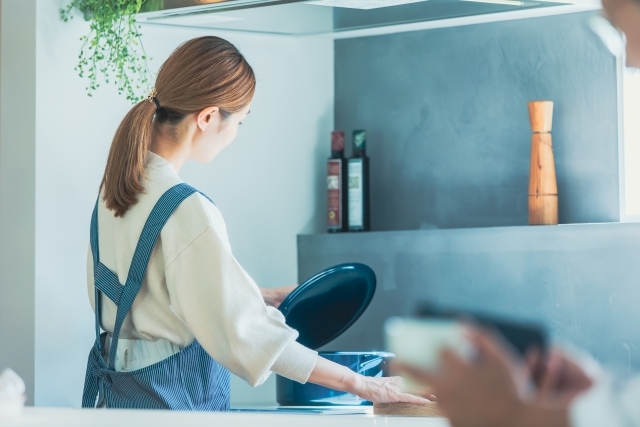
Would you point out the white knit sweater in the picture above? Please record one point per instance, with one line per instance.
(194, 288)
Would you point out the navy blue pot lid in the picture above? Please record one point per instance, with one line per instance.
(330, 302)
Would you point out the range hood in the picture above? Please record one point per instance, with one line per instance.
(340, 17)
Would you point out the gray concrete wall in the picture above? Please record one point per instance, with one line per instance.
(449, 135)
(581, 281)
(449, 141)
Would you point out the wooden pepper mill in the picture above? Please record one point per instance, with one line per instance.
(543, 189)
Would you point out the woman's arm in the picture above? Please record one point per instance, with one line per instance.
(225, 310)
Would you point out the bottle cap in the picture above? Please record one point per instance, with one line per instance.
(359, 140)
(337, 140)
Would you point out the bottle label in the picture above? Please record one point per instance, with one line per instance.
(356, 199)
(334, 194)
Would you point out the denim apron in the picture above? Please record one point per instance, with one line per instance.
(187, 380)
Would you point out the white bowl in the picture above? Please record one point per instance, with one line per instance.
(11, 407)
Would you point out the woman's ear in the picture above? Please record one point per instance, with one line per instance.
(206, 117)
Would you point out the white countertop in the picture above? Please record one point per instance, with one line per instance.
(66, 417)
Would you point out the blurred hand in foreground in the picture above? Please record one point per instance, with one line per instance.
(483, 392)
(566, 374)
(495, 389)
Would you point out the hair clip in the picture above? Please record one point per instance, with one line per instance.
(152, 95)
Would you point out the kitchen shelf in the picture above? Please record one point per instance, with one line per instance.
(463, 229)
(386, 249)
(579, 280)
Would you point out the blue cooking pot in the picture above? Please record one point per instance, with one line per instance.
(370, 364)
(321, 309)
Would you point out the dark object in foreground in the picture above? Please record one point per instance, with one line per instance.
(523, 337)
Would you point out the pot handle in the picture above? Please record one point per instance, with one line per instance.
(365, 366)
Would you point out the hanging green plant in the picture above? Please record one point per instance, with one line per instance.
(113, 50)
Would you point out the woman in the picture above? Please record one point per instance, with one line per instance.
(492, 391)
(180, 312)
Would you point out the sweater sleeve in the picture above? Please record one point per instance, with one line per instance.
(224, 309)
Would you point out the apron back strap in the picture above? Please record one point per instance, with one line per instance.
(107, 282)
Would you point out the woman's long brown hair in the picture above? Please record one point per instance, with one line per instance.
(203, 72)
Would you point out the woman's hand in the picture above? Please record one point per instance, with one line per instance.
(377, 390)
(274, 297)
(386, 390)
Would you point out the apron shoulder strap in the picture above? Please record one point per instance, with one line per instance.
(95, 251)
(126, 295)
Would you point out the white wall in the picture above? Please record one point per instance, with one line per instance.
(268, 184)
(17, 186)
(631, 107)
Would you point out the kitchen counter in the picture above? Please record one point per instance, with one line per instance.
(65, 417)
